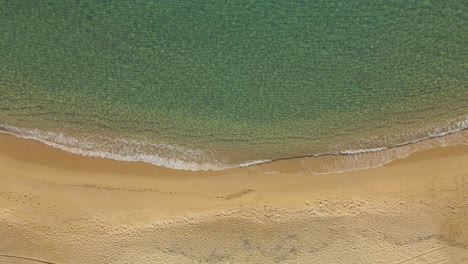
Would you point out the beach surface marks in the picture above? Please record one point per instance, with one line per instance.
(57, 207)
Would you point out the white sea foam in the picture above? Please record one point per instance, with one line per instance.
(357, 159)
(253, 163)
(181, 158)
(122, 149)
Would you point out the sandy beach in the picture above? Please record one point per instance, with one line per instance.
(57, 207)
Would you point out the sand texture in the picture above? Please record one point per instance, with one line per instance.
(57, 207)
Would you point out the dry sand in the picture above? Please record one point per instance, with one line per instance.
(57, 207)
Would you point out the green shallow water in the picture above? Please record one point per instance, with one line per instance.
(213, 84)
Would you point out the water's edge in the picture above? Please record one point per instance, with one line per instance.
(184, 164)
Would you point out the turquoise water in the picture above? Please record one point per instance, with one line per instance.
(216, 84)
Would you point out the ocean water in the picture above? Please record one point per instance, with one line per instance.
(217, 84)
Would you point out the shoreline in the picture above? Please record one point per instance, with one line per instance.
(65, 208)
(457, 136)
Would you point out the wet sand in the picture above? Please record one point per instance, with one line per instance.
(57, 207)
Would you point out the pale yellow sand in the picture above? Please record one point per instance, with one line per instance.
(57, 207)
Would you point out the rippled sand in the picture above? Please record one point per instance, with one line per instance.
(57, 207)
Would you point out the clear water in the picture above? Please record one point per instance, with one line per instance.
(216, 84)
